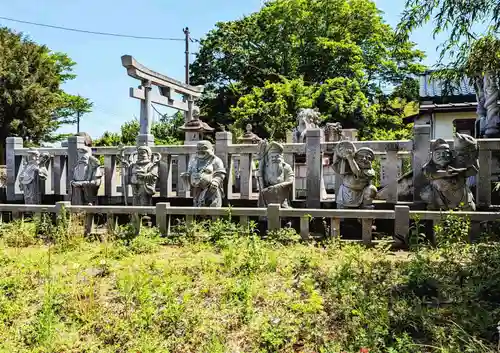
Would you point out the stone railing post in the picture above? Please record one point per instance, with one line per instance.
(162, 218)
(222, 142)
(391, 169)
(314, 160)
(13, 163)
(421, 149)
(74, 143)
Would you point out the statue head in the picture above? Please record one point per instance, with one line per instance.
(204, 149)
(307, 117)
(143, 154)
(466, 150)
(84, 154)
(275, 152)
(364, 157)
(441, 153)
(248, 129)
(33, 155)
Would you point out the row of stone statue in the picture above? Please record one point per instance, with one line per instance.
(448, 172)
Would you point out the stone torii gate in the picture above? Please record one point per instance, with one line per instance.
(167, 86)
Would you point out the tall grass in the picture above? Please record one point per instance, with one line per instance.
(216, 287)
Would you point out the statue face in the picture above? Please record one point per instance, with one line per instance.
(364, 160)
(83, 156)
(441, 157)
(142, 155)
(275, 157)
(203, 152)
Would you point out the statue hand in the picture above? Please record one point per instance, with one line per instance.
(76, 183)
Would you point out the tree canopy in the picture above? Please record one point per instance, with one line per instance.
(473, 27)
(337, 55)
(166, 132)
(31, 98)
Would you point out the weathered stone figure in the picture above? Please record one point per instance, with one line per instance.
(276, 177)
(333, 132)
(87, 177)
(306, 119)
(205, 176)
(142, 175)
(448, 171)
(356, 173)
(34, 172)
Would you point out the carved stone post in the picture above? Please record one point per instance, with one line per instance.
(222, 142)
(74, 143)
(314, 160)
(13, 164)
(421, 148)
(492, 122)
(145, 138)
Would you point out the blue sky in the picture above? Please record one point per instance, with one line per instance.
(100, 75)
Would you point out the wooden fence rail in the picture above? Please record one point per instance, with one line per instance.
(274, 215)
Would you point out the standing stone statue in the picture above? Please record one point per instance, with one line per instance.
(333, 132)
(492, 119)
(142, 174)
(276, 177)
(306, 119)
(34, 172)
(205, 177)
(354, 167)
(448, 171)
(87, 177)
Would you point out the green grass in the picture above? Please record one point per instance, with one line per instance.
(219, 289)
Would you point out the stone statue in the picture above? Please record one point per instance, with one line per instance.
(87, 177)
(492, 120)
(306, 119)
(480, 111)
(141, 174)
(276, 177)
(448, 171)
(205, 177)
(34, 172)
(354, 167)
(249, 136)
(333, 132)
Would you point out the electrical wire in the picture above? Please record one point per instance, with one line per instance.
(91, 32)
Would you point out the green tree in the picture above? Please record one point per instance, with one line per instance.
(73, 109)
(464, 20)
(289, 40)
(31, 76)
(166, 132)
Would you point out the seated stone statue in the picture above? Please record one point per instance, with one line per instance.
(205, 177)
(356, 172)
(86, 180)
(276, 177)
(448, 171)
(306, 119)
(34, 172)
(142, 175)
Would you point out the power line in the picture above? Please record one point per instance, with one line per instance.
(91, 32)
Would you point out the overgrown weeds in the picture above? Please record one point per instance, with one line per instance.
(214, 286)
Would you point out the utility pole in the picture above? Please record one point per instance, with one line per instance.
(186, 33)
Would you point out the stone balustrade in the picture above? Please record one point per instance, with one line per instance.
(239, 159)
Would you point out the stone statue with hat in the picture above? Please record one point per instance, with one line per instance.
(354, 167)
(87, 176)
(276, 177)
(142, 174)
(447, 171)
(205, 176)
(33, 174)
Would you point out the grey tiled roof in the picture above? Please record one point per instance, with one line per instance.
(434, 88)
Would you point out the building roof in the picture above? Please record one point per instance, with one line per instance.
(433, 89)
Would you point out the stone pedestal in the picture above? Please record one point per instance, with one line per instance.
(145, 140)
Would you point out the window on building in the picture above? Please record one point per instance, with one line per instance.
(465, 126)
